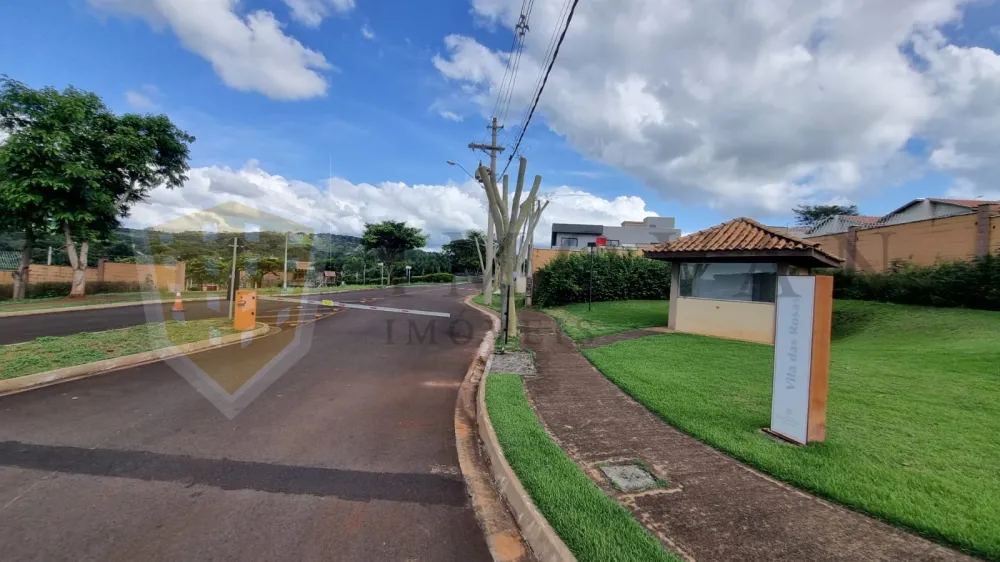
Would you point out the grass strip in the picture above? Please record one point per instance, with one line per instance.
(609, 317)
(48, 353)
(913, 423)
(593, 526)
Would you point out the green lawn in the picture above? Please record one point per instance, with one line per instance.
(47, 353)
(609, 317)
(591, 524)
(913, 426)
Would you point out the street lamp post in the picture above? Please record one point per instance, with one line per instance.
(408, 276)
(380, 274)
(284, 273)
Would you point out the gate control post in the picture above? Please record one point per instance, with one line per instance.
(245, 317)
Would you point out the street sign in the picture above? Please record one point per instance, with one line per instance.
(803, 317)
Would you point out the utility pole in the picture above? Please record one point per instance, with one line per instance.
(284, 275)
(232, 280)
(492, 149)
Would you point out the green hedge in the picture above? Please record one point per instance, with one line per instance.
(617, 276)
(967, 284)
(62, 289)
(429, 278)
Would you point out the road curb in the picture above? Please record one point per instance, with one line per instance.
(534, 528)
(76, 372)
(146, 302)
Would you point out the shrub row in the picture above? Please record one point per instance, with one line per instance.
(62, 289)
(429, 278)
(967, 284)
(617, 276)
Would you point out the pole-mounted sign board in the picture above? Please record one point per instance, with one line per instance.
(803, 316)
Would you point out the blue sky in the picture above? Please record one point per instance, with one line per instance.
(379, 120)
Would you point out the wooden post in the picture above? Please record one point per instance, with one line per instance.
(820, 362)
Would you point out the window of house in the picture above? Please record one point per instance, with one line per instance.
(751, 282)
(570, 242)
(613, 243)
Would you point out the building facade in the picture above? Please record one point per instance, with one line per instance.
(634, 234)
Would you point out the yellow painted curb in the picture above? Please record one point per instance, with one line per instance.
(75, 372)
(535, 529)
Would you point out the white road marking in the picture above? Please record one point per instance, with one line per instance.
(363, 307)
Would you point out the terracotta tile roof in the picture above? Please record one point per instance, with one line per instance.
(740, 235)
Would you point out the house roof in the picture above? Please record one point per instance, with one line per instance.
(743, 239)
(851, 220)
(970, 204)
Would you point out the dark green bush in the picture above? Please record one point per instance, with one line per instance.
(967, 284)
(62, 288)
(617, 276)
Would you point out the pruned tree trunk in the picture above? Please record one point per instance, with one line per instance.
(78, 262)
(21, 276)
(509, 223)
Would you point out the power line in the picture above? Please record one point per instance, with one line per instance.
(520, 31)
(543, 64)
(545, 80)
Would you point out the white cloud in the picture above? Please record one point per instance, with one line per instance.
(312, 12)
(750, 106)
(142, 99)
(249, 52)
(344, 207)
(367, 32)
(450, 115)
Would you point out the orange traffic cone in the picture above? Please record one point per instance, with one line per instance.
(178, 303)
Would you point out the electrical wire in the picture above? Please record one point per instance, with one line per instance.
(543, 64)
(545, 79)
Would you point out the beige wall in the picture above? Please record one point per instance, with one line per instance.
(750, 321)
(923, 242)
(48, 274)
(163, 275)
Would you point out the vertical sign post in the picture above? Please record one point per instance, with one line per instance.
(803, 316)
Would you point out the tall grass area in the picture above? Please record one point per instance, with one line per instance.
(591, 524)
(913, 425)
(605, 318)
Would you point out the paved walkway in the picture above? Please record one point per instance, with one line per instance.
(716, 508)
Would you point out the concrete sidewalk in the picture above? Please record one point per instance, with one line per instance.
(715, 507)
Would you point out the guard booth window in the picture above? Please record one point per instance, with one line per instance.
(752, 282)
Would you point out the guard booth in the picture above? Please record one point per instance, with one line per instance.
(723, 280)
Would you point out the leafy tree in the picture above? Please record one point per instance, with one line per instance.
(463, 253)
(389, 239)
(809, 215)
(259, 268)
(72, 165)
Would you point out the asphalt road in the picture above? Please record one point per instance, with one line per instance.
(17, 329)
(349, 455)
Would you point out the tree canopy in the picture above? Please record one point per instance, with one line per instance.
(69, 164)
(389, 239)
(809, 215)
